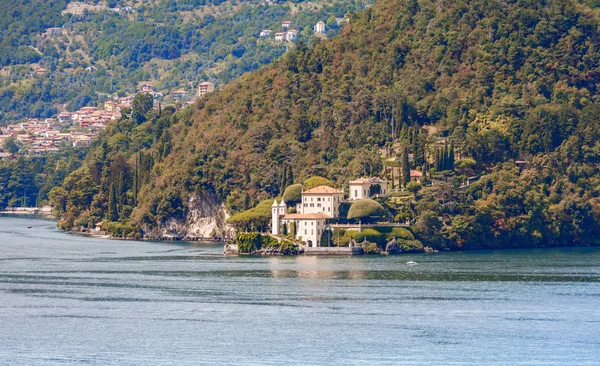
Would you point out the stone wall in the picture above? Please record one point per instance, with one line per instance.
(334, 251)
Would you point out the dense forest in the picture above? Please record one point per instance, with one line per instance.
(26, 182)
(172, 44)
(496, 80)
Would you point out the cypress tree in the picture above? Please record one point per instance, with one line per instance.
(451, 156)
(282, 178)
(405, 167)
(290, 176)
(112, 204)
(121, 189)
(445, 158)
(136, 179)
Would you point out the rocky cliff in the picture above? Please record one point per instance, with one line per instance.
(206, 219)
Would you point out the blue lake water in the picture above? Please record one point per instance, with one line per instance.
(67, 299)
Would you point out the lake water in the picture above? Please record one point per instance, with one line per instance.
(67, 299)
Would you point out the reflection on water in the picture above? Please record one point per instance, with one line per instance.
(68, 299)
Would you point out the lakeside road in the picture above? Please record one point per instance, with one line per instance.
(68, 299)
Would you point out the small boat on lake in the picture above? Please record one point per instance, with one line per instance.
(411, 263)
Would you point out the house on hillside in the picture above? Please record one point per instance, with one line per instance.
(147, 88)
(286, 24)
(265, 33)
(367, 188)
(291, 35)
(205, 88)
(280, 36)
(179, 95)
(416, 176)
(41, 71)
(340, 21)
(320, 27)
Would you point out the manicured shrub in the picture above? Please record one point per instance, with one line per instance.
(293, 194)
(399, 233)
(366, 210)
(354, 234)
(313, 182)
(374, 236)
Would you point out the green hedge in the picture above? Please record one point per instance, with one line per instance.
(398, 232)
(371, 235)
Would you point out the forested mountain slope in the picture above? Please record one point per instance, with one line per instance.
(92, 51)
(499, 79)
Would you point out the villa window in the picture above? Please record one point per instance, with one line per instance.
(306, 205)
(312, 205)
(311, 199)
(318, 205)
(355, 193)
(329, 199)
(329, 209)
(318, 199)
(304, 231)
(312, 232)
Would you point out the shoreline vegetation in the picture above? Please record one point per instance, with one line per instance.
(481, 115)
(231, 247)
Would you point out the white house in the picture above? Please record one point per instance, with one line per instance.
(318, 205)
(320, 27)
(308, 227)
(321, 199)
(205, 88)
(279, 36)
(286, 24)
(265, 33)
(367, 187)
(291, 35)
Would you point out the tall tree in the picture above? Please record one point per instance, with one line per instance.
(112, 213)
(405, 167)
(451, 156)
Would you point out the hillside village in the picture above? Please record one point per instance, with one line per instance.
(37, 137)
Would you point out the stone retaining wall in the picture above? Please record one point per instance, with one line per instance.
(334, 251)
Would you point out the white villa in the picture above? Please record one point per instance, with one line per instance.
(320, 206)
(361, 188)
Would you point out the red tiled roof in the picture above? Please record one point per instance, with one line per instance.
(311, 216)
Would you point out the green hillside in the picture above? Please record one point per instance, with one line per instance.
(498, 80)
(171, 44)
